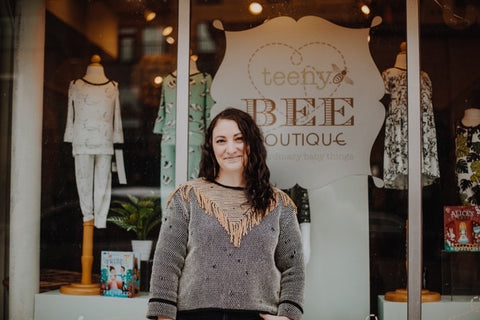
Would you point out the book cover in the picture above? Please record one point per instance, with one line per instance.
(119, 274)
(462, 228)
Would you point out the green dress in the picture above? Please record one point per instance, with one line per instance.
(200, 104)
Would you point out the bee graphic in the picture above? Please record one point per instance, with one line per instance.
(340, 75)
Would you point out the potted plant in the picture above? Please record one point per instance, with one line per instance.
(141, 215)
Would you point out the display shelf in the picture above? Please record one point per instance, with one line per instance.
(448, 308)
(53, 305)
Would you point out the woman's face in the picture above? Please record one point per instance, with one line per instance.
(229, 147)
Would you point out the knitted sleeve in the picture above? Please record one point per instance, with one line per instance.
(289, 259)
(168, 260)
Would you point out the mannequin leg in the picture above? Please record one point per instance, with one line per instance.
(84, 168)
(102, 189)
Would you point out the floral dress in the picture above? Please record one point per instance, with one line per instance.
(467, 151)
(395, 173)
(200, 104)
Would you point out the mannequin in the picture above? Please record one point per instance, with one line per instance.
(395, 173)
(471, 117)
(193, 69)
(396, 149)
(95, 72)
(200, 104)
(467, 137)
(93, 125)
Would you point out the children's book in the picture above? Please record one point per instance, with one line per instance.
(462, 228)
(120, 274)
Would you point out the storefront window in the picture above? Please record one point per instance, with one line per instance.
(449, 40)
(357, 228)
(327, 83)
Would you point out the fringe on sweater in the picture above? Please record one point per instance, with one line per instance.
(237, 225)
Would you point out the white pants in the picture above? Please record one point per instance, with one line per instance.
(94, 184)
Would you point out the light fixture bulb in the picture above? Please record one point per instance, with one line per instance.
(149, 15)
(255, 8)
(157, 80)
(167, 31)
(365, 9)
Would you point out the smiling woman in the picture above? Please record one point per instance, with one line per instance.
(233, 222)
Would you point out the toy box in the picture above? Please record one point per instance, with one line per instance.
(462, 228)
(120, 274)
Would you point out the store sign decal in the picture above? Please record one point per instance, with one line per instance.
(314, 90)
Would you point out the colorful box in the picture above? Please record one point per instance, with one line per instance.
(120, 274)
(462, 228)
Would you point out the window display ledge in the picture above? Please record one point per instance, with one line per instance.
(450, 307)
(53, 305)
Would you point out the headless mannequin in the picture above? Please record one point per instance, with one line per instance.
(401, 60)
(92, 166)
(95, 73)
(471, 117)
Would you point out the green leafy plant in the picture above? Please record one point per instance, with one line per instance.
(138, 214)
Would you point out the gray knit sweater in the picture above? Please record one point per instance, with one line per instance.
(215, 253)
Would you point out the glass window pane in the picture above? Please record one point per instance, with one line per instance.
(450, 33)
(96, 114)
(325, 81)
(357, 225)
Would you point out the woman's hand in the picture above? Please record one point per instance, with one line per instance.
(272, 317)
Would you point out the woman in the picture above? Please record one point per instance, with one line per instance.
(230, 245)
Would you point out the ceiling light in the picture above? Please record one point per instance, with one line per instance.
(170, 40)
(149, 15)
(157, 80)
(167, 31)
(255, 8)
(365, 9)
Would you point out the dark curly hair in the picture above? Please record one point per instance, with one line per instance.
(258, 189)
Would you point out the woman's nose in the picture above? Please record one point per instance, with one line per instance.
(231, 147)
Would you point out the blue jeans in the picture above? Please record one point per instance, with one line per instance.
(218, 315)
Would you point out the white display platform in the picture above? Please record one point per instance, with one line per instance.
(338, 273)
(53, 305)
(449, 308)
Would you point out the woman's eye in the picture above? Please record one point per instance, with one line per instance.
(220, 141)
(239, 139)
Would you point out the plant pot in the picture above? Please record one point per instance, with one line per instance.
(142, 247)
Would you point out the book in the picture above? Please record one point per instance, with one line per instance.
(119, 274)
(462, 228)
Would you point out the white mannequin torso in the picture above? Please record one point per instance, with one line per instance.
(95, 74)
(471, 117)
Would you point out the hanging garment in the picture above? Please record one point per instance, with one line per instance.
(93, 125)
(395, 161)
(467, 151)
(200, 104)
